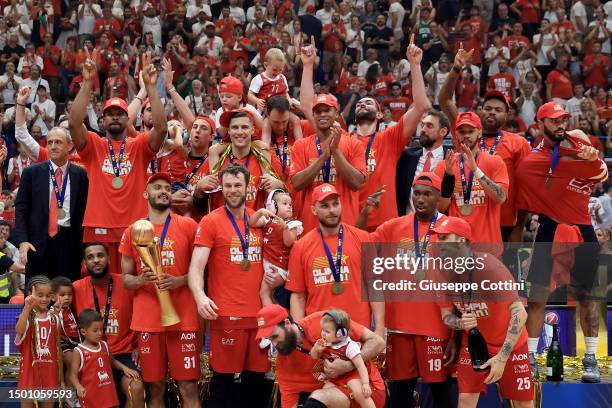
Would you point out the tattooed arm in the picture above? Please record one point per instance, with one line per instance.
(450, 319)
(492, 189)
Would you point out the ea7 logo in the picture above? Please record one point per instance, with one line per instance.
(188, 348)
(434, 350)
(520, 357)
(145, 350)
(521, 368)
(188, 336)
(580, 186)
(227, 342)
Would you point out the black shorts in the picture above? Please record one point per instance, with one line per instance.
(586, 257)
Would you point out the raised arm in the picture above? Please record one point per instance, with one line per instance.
(307, 55)
(181, 106)
(160, 126)
(421, 102)
(25, 139)
(448, 89)
(78, 112)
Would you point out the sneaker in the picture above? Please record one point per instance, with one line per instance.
(590, 372)
(535, 371)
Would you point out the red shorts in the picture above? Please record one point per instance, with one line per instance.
(176, 349)
(515, 384)
(412, 355)
(233, 347)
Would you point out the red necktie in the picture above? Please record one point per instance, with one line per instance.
(427, 165)
(53, 210)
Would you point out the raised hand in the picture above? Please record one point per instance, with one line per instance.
(89, 70)
(468, 157)
(450, 161)
(463, 57)
(309, 53)
(168, 73)
(23, 95)
(413, 53)
(149, 72)
(588, 153)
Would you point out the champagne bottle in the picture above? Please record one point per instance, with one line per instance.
(554, 358)
(477, 346)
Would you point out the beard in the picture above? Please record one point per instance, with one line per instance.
(330, 224)
(98, 275)
(115, 129)
(426, 141)
(158, 206)
(363, 115)
(289, 344)
(553, 136)
(493, 128)
(238, 205)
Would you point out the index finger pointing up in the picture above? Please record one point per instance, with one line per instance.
(412, 39)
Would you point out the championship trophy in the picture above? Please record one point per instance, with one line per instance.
(149, 250)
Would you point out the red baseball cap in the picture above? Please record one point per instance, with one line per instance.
(226, 117)
(322, 191)
(116, 103)
(231, 84)
(454, 225)
(160, 176)
(468, 118)
(551, 110)
(429, 179)
(493, 94)
(208, 120)
(267, 319)
(310, 8)
(325, 99)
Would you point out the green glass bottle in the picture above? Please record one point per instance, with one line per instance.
(554, 358)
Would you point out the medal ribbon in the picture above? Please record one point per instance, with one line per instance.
(246, 162)
(420, 254)
(369, 147)
(465, 187)
(334, 266)
(59, 194)
(116, 162)
(153, 165)
(327, 166)
(109, 295)
(244, 239)
(553, 162)
(195, 169)
(494, 146)
(283, 157)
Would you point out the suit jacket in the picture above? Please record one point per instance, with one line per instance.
(406, 169)
(32, 206)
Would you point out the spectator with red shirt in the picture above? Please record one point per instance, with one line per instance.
(595, 67)
(264, 40)
(516, 41)
(529, 14)
(503, 81)
(225, 24)
(51, 63)
(116, 84)
(559, 82)
(108, 25)
(474, 29)
(397, 104)
(333, 35)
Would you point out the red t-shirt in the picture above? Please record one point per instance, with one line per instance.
(485, 217)
(265, 42)
(333, 42)
(193, 175)
(172, 163)
(503, 83)
(96, 375)
(571, 183)
(109, 207)
(381, 87)
(304, 153)
(40, 370)
(381, 164)
(175, 259)
(310, 273)
(465, 98)
(530, 11)
(599, 74)
(117, 86)
(69, 329)
(120, 337)
(514, 42)
(107, 26)
(226, 27)
(50, 69)
(234, 291)
(397, 106)
(295, 371)
(274, 248)
(403, 315)
(561, 84)
(511, 148)
(270, 86)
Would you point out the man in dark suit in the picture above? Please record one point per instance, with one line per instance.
(415, 160)
(49, 212)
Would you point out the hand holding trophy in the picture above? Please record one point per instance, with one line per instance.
(149, 250)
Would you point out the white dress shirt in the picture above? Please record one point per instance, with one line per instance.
(65, 222)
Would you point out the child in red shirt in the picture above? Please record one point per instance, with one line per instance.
(91, 369)
(280, 233)
(336, 343)
(69, 330)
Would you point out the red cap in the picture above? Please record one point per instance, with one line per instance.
(310, 8)
(493, 94)
(429, 179)
(551, 110)
(468, 118)
(454, 225)
(116, 103)
(160, 176)
(208, 120)
(325, 99)
(231, 84)
(268, 318)
(226, 117)
(322, 191)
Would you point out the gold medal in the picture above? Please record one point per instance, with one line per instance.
(466, 209)
(337, 288)
(61, 214)
(117, 183)
(245, 264)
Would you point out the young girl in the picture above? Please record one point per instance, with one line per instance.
(336, 343)
(280, 233)
(69, 330)
(38, 340)
(91, 369)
